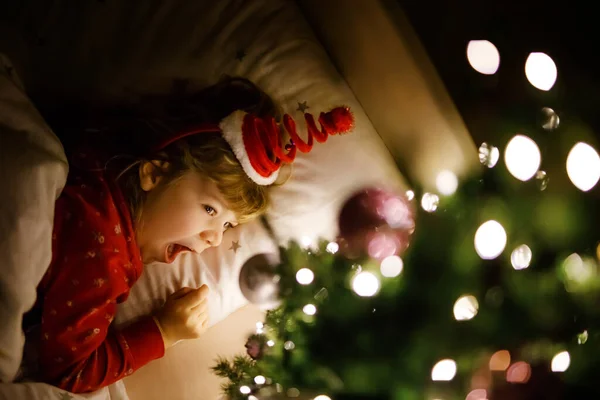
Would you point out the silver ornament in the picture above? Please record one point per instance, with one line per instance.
(259, 282)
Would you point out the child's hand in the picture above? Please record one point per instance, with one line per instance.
(184, 315)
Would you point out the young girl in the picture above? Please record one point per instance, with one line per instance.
(206, 170)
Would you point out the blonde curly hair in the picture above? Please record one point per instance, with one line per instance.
(208, 154)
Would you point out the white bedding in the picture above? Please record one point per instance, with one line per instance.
(113, 50)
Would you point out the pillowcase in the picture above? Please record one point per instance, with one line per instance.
(33, 171)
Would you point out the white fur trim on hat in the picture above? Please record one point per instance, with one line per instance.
(231, 126)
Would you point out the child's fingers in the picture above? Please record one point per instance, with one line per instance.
(181, 293)
(200, 308)
(194, 298)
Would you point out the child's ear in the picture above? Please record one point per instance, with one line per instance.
(151, 173)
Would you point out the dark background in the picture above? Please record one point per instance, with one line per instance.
(498, 105)
(566, 31)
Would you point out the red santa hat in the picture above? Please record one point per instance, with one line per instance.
(257, 142)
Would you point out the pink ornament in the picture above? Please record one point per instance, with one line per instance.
(376, 222)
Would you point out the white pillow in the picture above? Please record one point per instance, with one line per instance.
(33, 171)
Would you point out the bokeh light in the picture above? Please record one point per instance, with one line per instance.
(500, 360)
(582, 337)
(446, 182)
(521, 257)
(488, 155)
(382, 244)
(391, 266)
(444, 370)
(542, 180)
(522, 157)
(245, 390)
(483, 56)
(260, 380)
(306, 241)
(519, 372)
(541, 71)
(577, 270)
(490, 240)
(332, 247)
(270, 343)
(561, 362)
(465, 308)
(322, 397)
(365, 284)
(430, 202)
(410, 195)
(583, 166)
(304, 276)
(550, 120)
(309, 309)
(477, 394)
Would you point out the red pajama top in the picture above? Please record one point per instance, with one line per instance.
(95, 261)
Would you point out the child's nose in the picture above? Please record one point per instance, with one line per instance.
(213, 237)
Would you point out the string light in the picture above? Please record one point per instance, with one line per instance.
(483, 56)
(245, 390)
(488, 155)
(391, 266)
(430, 202)
(444, 370)
(466, 308)
(365, 284)
(490, 240)
(309, 309)
(519, 372)
(522, 157)
(500, 361)
(332, 247)
(561, 362)
(305, 276)
(477, 394)
(306, 241)
(541, 71)
(260, 380)
(521, 256)
(446, 182)
(583, 166)
(259, 327)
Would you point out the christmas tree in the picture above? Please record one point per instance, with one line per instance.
(496, 296)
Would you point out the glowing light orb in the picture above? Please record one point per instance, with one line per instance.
(444, 370)
(430, 202)
(522, 157)
(483, 56)
(446, 182)
(490, 240)
(541, 71)
(465, 308)
(391, 266)
(305, 276)
(521, 256)
(561, 362)
(365, 284)
(583, 166)
(309, 309)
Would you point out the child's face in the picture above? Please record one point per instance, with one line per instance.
(188, 214)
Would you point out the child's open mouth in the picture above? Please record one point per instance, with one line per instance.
(173, 251)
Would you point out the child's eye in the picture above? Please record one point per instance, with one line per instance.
(211, 211)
